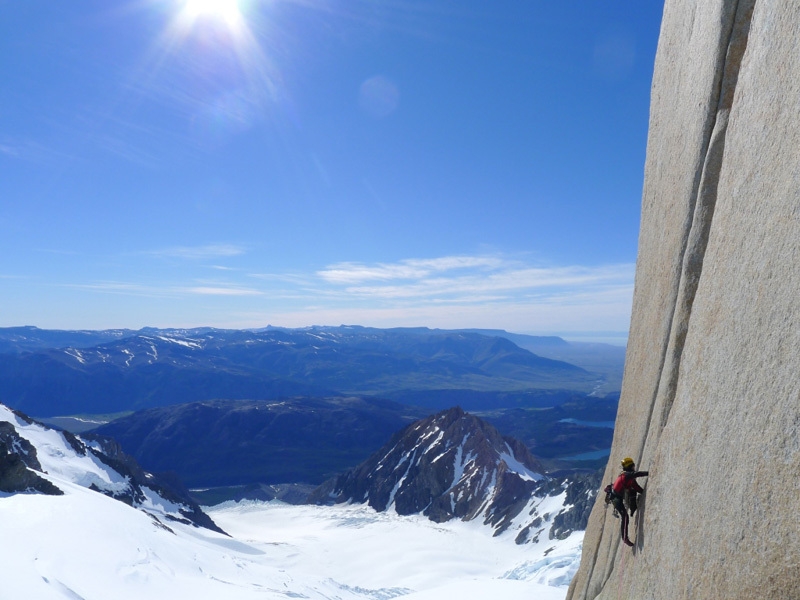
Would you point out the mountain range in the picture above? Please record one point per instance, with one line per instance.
(273, 412)
(48, 373)
(447, 466)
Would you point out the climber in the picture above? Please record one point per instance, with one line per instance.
(622, 494)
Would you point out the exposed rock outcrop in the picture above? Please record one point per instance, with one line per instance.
(448, 465)
(34, 458)
(16, 476)
(711, 394)
(18, 464)
(454, 465)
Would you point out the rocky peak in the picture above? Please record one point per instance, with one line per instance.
(448, 465)
(454, 465)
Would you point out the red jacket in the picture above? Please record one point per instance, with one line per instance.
(627, 481)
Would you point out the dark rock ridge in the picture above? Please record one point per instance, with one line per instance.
(93, 462)
(166, 485)
(160, 367)
(454, 465)
(18, 465)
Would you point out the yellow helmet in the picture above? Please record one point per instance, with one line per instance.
(627, 462)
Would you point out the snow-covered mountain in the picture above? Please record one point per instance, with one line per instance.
(35, 458)
(67, 535)
(161, 367)
(454, 465)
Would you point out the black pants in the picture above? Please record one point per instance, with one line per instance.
(619, 504)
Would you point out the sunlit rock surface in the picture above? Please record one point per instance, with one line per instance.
(711, 396)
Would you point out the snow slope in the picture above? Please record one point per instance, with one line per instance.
(84, 545)
(360, 548)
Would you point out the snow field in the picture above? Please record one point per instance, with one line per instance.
(86, 546)
(357, 548)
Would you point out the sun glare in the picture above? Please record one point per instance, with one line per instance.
(226, 10)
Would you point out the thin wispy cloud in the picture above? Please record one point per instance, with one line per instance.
(465, 278)
(155, 290)
(296, 279)
(19, 277)
(121, 288)
(207, 252)
(463, 291)
(451, 291)
(349, 272)
(207, 290)
(58, 251)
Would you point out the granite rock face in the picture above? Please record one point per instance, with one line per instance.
(711, 395)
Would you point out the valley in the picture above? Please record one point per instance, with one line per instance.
(233, 412)
(299, 443)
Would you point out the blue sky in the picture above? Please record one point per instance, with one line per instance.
(434, 163)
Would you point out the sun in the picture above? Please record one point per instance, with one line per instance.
(225, 10)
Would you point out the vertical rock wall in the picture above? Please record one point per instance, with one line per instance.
(711, 395)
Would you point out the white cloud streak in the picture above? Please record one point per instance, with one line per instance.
(469, 279)
(471, 291)
(207, 290)
(348, 272)
(201, 289)
(447, 292)
(207, 252)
